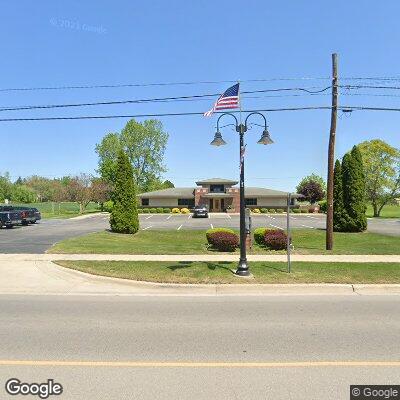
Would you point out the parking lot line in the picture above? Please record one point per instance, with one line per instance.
(229, 216)
(212, 226)
(190, 216)
(307, 226)
(169, 216)
(180, 226)
(149, 216)
(147, 227)
(278, 227)
(268, 216)
(309, 216)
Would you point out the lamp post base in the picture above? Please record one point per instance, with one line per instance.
(243, 268)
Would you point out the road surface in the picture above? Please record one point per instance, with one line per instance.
(123, 347)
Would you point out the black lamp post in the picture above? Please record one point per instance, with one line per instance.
(243, 267)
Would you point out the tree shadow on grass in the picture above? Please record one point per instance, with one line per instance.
(210, 265)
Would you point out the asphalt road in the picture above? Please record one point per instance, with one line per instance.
(132, 340)
(38, 238)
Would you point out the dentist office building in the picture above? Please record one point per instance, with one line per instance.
(218, 195)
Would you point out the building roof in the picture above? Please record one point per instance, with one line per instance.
(171, 192)
(263, 192)
(216, 181)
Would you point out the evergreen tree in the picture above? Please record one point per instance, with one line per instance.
(124, 216)
(339, 212)
(354, 191)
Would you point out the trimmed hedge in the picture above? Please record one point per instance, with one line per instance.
(275, 239)
(296, 210)
(152, 210)
(272, 211)
(209, 232)
(304, 211)
(256, 210)
(280, 210)
(176, 211)
(259, 234)
(264, 210)
(224, 241)
(185, 210)
(167, 210)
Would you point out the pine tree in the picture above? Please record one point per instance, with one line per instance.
(339, 212)
(124, 216)
(354, 191)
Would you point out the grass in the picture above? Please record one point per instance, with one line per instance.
(194, 242)
(220, 272)
(388, 211)
(60, 210)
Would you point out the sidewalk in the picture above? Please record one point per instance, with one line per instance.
(201, 257)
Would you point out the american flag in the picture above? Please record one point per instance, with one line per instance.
(228, 100)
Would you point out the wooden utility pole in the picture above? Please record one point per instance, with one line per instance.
(331, 155)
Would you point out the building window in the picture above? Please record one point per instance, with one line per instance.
(217, 188)
(251, 202)
(145, 202)
(186, 202)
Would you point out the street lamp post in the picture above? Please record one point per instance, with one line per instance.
(243, 266)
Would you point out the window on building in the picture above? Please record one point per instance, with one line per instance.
(145, 202)
(186, 202)
(217, 188)
(251, 202)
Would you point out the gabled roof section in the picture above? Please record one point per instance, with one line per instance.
(216, 181)
(263, 192)
(184, 193)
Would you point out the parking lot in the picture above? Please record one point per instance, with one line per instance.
(41, 236)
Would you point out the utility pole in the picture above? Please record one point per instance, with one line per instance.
(331, 155)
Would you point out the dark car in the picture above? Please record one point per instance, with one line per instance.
(27, 215)
(37, 214)
(9, 218)
(200, 212)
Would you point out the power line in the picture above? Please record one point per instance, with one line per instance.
(162, 99)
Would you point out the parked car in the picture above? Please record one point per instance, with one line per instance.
(38, 215)
(200, 212)
(27, 215)
(9, 218)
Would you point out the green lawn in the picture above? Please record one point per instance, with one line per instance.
(194, 242)
(60, 210)
(388, 211)
(220, 272)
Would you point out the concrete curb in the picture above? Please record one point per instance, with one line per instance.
(201, 257)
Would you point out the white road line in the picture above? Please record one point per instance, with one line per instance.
(307, 226)
(278, 227)
(212, 226)
(179, 227)
(147, 227)
(190, 216)
(293, 217)
(309, 216)
(169, 217)
(268, 216)
(149, 217)
(229, 216)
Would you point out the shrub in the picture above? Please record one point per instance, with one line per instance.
(145, 210)
(264, 210)
(185, 211)
(140, 211)
(176, 211)
(296, 210)
(167, 210)
(124, 216)
(159, 210)
(272, 211)
(209, 233)
(224, 241)
(323, 206)
(304, 211)
(152, 210)
(280, 210)
(256, 210)
(259, 234)
(108, 206)
(275, 239)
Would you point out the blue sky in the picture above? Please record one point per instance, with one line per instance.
(50, 43)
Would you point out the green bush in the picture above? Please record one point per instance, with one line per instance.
(296, 210)
(304, 211)
(259, 234)
(146, 210)
(124, 216)
(159, 210)
(167, 210)
(272, 211)
(108, 206)
(209, 232)
(280, 210)
(152, 210)
(256, 210)
(323, 206)
(140, 211)
(264, 210)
